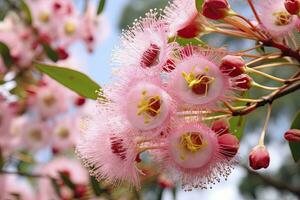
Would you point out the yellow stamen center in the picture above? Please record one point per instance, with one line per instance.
(70, 28)
(282, 18)
(49, 100)
(44, 17)
(193, 141)
(63, 133)
(149, 107)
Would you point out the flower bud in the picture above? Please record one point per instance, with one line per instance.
(220, 127)
(215, 9)
(292, 135)
(232, 65)
(79, 101)
(259, 158)
(192, 29)
(80, 191)
(229, 145)
(62, 53)
(292, 6)
(242, 82)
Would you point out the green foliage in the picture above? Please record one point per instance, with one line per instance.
(199, 5)
(66, 180)
(50, 53)
(237, 126)
(55, 186)
(96, 187)
(2, 162)
(26, 11)
(100, 6)
(5, 53)
(74, 80)
(295, 146)
(193, 41)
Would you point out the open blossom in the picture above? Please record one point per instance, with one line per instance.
(145, 45)
(183, 19)
(277, 21)
(193, 156)
(68, 167)
(109, 151)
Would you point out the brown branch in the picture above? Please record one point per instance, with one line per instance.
(280, 185)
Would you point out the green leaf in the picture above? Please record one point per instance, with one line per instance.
(27, 14)
(100, 6)
(2, 162)
(237, 126)
(55, 186)
(199, 4)
(5, 53)
(295, 146)
(67, 181)
(194, 41)
(74, 80)
(51, 53)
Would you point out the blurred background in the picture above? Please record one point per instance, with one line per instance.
(281, 181)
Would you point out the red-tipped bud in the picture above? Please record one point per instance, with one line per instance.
(292, 6)
(79, 101)
(192, 29)
(229, 145)
(232, 65)
(242, 82)
(220, 127)
(292, 135)
(62, 53)
(259, 158)
(215, 9)
(80, 191)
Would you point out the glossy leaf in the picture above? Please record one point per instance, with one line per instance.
(100, 7)
(26, 11)
(5, 53)
(74, 80)
(295, 146)
(237, 126)
(199, 5)
(51, 53)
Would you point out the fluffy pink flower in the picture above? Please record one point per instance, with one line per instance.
(71, 168)
(183, 18)
(197, 79)
(193, 156)
(33, 133)
(277, 21)
(145, 44)
(140, 101)
(109, 151)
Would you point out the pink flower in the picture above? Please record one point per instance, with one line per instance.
(197, 79)
(183, 19)
(109, 151)
(229, 145)
(145, 44)
(259, 158)
(193, 155)
(292, 6)
(277, 21)
(33, 133)
(71, 168)
(220, 127)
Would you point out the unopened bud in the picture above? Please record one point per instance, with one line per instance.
(259, 158)
(192, 29)
(229, 145)
(79, 101)
(232, 65)
(215, 9)
(292, 6)
(292, 135)
(242, 82)
(220, 127)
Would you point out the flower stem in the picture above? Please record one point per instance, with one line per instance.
(243, 99)
(281, 64)
(251, 70)
(264, 86)
(263, 133)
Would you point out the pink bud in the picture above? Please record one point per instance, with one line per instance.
(292, 135)
(215, 9)
(292, 6)
(242, 82)
(259, 158)
(232, 65)
(192, 29)
(220, 127)
(229, 145)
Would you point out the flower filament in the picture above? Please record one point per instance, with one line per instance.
(149, 107)
(282, 18)
(193, 141)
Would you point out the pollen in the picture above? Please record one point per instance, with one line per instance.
(282, 18)
(69, 28)
(149, 107)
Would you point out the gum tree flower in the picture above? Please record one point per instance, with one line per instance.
(259, 158)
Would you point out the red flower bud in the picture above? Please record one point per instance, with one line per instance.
(292, 135)
(242, 82)
(62, 53)
(215, 9)
(292, 6)
(259, 158)
(220, 127)
(229, 145)
(80, 101)
(192, 29)
(232, 65)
